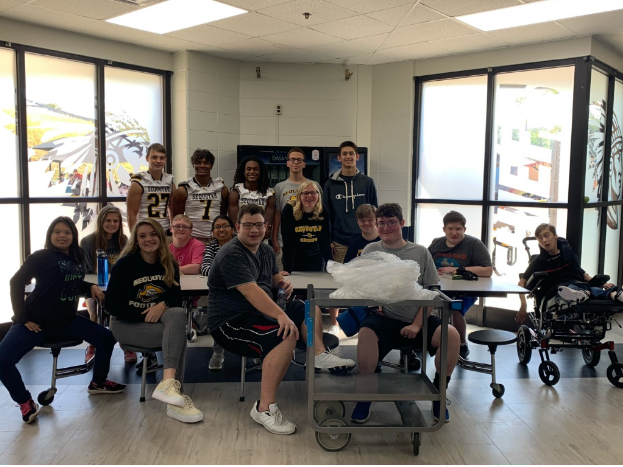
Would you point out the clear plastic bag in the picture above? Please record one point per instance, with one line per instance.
(379, 276)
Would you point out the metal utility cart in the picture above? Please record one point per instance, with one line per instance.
(326, 392)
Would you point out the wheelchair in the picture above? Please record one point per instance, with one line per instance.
(557, 325)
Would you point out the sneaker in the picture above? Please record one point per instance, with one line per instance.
(129, 356)
(187, 414)
(168, 391)
(273, 420)
(216, 361)
(619, 296)
(109, 387)
(152, 364)
(30, 410)
(361, 413)
(572, 295)
(334, 329)
(193, 336)
(464, 351)
(413, 361)
(89, 353)
(328, 361)
(436, 408)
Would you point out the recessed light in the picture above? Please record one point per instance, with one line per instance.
(538, 12)
(173, 15)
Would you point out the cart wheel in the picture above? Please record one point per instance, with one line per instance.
(524, 350)
(46, 397)
(324, 410)
(615, 374)
(416, 441)
(591, 357)
(498, 390)
(549, 373)
(333, 443)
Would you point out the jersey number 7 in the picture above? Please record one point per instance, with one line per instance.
(206, 212)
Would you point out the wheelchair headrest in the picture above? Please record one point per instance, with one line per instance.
(563, 246)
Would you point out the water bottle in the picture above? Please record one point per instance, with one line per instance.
(102, 268)
(281, 299)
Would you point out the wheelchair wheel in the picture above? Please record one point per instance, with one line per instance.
(498, 390)
(591, 357)
(328, 409)
(524, 349)
(615, 374)
(416, 441)
(549, 372)
(333, 443)
(46, 397)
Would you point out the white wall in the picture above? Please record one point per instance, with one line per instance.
(606, 54)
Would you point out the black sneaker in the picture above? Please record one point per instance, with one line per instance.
(152, 364)
(30, 410)
(464, 351)
(109, 387)
(413, 362)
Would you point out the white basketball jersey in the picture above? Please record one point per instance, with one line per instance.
(252, 197)
(203, 204)
(155, 198)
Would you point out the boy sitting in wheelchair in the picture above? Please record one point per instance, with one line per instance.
(564, 272)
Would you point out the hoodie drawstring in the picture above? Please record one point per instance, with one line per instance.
(352, 193)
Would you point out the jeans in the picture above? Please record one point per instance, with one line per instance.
(20, 340)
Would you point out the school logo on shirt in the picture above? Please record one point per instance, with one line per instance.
(149, 293)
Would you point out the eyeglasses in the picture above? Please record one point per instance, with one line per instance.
(180, 227)
(222, 227)
(250, 225)
(382, 224)
(296, 160)
(309, 193)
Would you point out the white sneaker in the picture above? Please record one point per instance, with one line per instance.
(216, 361)
(273, 420)
(193, 336)
(187, 414)
(328, 361)
(572, 295)
(334, 329)
(168, 391)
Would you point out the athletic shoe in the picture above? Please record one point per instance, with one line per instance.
(152, 364)
(273, 420)
(109, 387)
(361, 413)
(216, 361)
(193, 336)
(619, 296)
(435, 409)
(572, 295)
(129, 356)
(328, 361)
(334, 329)
(168, 391)
(464, 351)
(89, 353)
(30, 410)
(187, 414)
(413, 361)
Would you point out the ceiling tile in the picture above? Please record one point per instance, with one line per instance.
(472, 43)
(466, 7)
(435, 30)
(372, 41)
(613, 40)
(209, 35)
(253, 5)
(51, 18)
(353, 28)
(368, 6)
(255, 46)
(114, 32)
(321, 12)
(170, 44)
(253, 24)
(357, 60)
(414, 51)
(302, 38)
(391, 16)
(343, 49)
(8, 4)
(233, 55)
(379, 58)
(421, 14)
(406, 15)
(534, 33)
(296, 56)
(601, 23)
(96, 9)
(396, 39)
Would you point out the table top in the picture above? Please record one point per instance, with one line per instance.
(483, 287)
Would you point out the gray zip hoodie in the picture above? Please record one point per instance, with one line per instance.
(343, 198)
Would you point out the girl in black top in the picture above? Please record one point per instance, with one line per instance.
(145, 298)
(49, 312)
(306, 231)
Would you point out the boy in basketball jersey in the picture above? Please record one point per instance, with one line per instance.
(201, 197)
(150, 191)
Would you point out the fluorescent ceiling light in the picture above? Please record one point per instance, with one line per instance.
(173, 15)
(538, 12)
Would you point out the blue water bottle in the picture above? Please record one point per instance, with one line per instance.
(281, 299)
(102, 268)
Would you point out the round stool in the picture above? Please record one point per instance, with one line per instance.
(55, 345)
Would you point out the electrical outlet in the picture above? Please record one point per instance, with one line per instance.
(278, 110)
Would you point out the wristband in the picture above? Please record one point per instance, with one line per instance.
(166, 305)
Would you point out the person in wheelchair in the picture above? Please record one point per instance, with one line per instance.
(563, 271)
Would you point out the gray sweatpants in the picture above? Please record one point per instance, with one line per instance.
(169, 333)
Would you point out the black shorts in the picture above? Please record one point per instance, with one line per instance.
(255, 336)
(388, 332)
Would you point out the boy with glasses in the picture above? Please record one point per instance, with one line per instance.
(245, 320)
(285, 192)
(393, 326)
